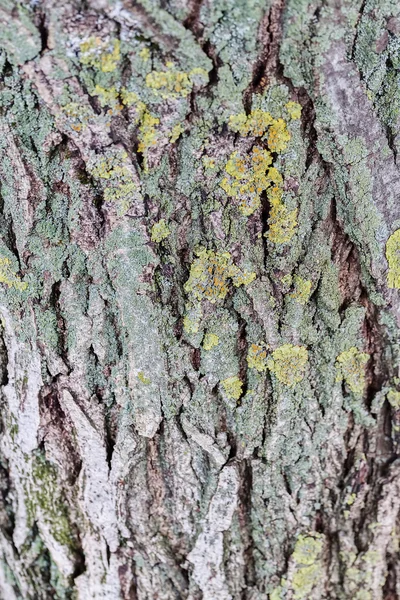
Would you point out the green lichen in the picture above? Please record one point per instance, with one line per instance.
(9, 278)
(257, 357)
(47, 497)
(210, 274)
(289, 363)
(210, 341)
(393, 258)
(99, 54)
(302, 290)
(233, 387)
(308, 562)
(159, 231)
(350, 365)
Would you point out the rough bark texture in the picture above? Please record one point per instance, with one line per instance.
(199, 302)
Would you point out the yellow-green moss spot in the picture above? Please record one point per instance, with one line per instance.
(278, 136)
(351, 498)
(257, 357)
(107, 96)
(282, 222)
(393, 258)
(210, 274)
(209, 163)
(210, 341)
(144, 54)
(233, 387)
(302, 290)
(172, 83)
(78, 115)
(120, 188)
(159, 231)
(248, 176)
(287, 280)
(294, 110)
(257, 123)
(101, 55)
(288, 363)
(307, 558)
(393, 397)
(9, 278)
(351, 367)
(142, 377)
(147, 133)
(177, 130)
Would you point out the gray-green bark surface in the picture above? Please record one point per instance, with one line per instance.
(199, 274)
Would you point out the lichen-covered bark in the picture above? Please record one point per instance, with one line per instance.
(199, 274)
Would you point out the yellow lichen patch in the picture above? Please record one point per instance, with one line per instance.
(210, 341)
(233, 387)
(121, 188)
(302, 290)
(144, 54)
(248, 177)
(172, 83)
(107, 96)
(9, 278)
(147, 132)
(143, 378)
(177, 130)
(99, 54)
(394, 399)
(159, 231)
(210, 274)
(278, 136)
(351, 367)
(209, 163)
(282, 223)
(307, 556)
(294, 110)
(257, 357)
(289, 363)
(393, 258)
(256, 123)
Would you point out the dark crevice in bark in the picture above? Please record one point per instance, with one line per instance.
(193, 24)
(389, 591)
(7, 515)
(242, 347)
(43, 31)
(244, 517)
(3, 360)
(61, 324)
(266, 65)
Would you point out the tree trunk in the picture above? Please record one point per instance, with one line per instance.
(199, 268)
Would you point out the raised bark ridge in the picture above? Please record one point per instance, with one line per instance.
(199, 273)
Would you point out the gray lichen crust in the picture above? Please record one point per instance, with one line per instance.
(199, 299)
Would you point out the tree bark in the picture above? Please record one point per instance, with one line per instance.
(199, 274)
